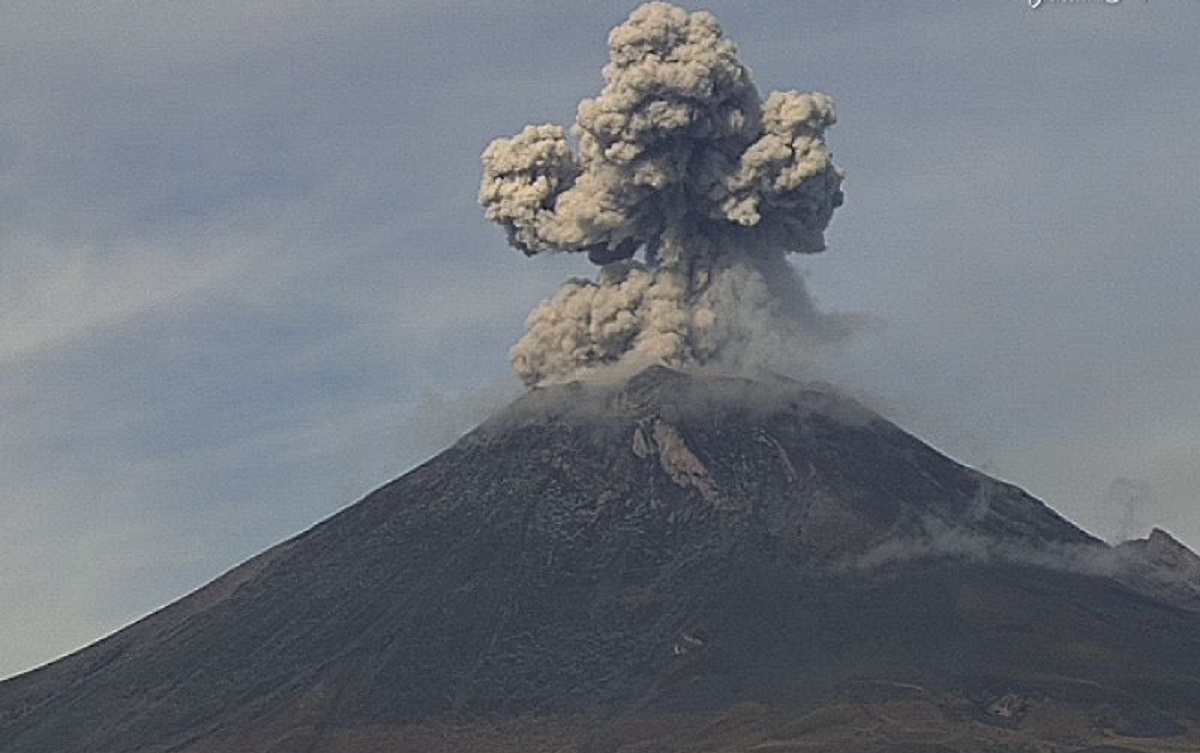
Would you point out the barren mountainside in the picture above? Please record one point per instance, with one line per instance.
(673, 563)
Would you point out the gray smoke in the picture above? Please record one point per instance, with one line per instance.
(678, 160)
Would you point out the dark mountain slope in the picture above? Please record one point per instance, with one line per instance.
(600, 566)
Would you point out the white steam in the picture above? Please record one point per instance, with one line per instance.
(679, 159)
(1125, 509)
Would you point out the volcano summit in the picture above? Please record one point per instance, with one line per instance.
(673, 563)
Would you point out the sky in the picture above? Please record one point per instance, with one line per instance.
(244, 278)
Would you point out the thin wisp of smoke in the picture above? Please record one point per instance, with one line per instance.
(678, 161)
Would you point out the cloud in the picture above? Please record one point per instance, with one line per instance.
(55, 295)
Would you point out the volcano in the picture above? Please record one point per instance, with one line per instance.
(675, 562)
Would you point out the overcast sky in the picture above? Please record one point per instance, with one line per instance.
(244, 278)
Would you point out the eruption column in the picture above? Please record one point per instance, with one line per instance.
(679, 160)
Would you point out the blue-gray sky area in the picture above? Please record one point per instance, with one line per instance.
(244, 278)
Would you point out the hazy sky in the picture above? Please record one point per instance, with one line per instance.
(244, 278)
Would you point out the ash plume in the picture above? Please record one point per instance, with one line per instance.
(678, 161)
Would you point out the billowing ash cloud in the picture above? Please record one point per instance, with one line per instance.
(679, 160)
